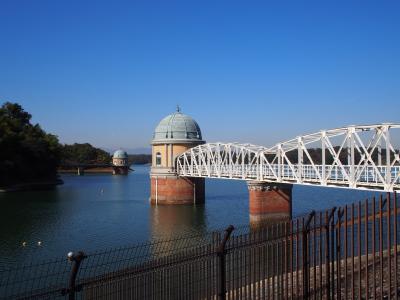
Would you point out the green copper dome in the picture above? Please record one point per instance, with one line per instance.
(120, 154)
(177, 127)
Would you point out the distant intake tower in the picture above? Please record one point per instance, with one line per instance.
(120, 163)
(175, 134)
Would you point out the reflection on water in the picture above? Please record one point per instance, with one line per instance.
(168, 222)
(93, 212)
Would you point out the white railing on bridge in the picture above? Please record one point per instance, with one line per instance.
(372, 159)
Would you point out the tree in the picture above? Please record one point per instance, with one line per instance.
(27, 152)
(84, 154)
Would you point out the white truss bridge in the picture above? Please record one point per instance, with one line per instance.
(356, 157)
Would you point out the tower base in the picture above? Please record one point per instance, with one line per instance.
(177, 190)
(120, 170)
(269, 202)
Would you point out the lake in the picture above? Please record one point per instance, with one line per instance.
(94, 212)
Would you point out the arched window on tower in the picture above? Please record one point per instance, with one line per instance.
(158, 159)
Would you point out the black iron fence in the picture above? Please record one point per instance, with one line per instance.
(342, 253)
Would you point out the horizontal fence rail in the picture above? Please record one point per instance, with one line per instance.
(349, 252)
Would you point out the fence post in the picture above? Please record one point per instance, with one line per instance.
(76, 260)
(340, 214)
(306, 230)
(328, 259)
(221, 254)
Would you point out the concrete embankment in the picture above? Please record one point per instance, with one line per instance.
(108, 170)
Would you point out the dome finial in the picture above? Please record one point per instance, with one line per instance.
(178, 109)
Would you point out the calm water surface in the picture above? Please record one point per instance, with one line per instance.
(95, 212)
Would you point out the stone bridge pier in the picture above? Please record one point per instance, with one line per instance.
(269, 202)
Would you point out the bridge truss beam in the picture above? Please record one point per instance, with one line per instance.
(357, 157)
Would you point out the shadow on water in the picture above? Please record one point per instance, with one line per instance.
(22, 216)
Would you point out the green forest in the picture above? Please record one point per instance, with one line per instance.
(83, 154)
(29, 154)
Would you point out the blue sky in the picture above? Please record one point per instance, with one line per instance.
(247, 71)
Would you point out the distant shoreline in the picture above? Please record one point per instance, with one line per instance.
(32, 186)
(91, 170)
(96, 170)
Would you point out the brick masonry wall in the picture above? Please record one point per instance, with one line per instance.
(269, 202)
(177, 190)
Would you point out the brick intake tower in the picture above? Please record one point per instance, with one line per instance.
(175, 134)
(120, 163)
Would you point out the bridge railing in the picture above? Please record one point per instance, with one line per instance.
(336, 175)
